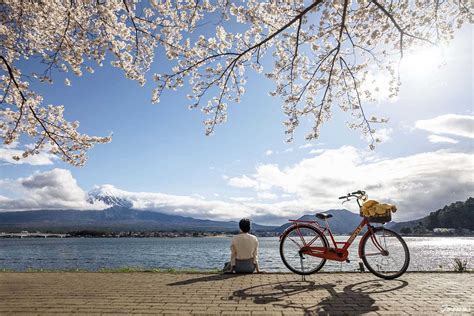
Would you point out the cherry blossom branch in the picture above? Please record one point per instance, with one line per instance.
(399, 28)
(231, 64)
(12, 76)
(23, 98)
(338, 47)
(359, 103)
(295, 55)
(137, 46)
(63, 37)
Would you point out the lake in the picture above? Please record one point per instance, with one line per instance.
(427, 253)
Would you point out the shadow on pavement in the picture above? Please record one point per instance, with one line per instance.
(207, 278)
(354, 299)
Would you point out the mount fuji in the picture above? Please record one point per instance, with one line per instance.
(110, 196)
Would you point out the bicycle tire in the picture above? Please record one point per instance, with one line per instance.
(284, 238)
(389, 275)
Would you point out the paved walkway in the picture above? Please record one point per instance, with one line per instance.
(263, 294)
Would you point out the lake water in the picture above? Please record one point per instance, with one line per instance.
(427, 253)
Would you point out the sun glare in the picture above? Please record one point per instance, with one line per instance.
(423, 62)
(417, 66)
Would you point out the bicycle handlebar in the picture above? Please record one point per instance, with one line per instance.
(353, 194)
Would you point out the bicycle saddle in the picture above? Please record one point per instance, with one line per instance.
(323, 215)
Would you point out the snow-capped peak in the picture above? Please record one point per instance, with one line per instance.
(109, 195)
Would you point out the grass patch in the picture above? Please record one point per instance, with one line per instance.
(460, 265)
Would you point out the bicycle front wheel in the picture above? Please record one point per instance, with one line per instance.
(385, 253)
(292, 245)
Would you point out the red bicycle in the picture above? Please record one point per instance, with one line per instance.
(304, 247)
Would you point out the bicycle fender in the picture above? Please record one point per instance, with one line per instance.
(366, 235)
(286, 230)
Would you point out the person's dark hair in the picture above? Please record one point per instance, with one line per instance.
(244, 225)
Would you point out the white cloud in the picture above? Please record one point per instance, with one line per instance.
(289, 150)
(267, 196)
(55, 189)
(241, 199)
(418, 183)
(307, 145)
(11, 145)
(269, 152)
(450, 124)
(316, 151)
(182, 204)
(43, 158)
(441, 139)
(383, 134)
(242, 182)
(198, 196)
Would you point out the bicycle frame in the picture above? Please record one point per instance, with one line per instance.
(336, 253)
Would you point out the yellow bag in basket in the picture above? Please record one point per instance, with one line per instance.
(374, 208)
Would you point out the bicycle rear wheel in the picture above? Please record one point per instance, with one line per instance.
(385, 253)
(291, 244)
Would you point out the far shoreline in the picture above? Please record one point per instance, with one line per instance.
(170, 235)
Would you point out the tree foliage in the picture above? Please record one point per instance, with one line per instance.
(323, 53)
(406, 230)
(456, 215)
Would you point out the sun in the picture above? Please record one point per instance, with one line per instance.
(422, 62)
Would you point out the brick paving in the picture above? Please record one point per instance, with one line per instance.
(257, 294)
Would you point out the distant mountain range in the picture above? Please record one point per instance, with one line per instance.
(116, 218)
(343, 221)
(121, 216)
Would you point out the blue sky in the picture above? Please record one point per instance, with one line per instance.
(162, 148)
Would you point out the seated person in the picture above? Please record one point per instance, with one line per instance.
(244, 251)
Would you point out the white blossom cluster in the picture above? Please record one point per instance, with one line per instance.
(321, 51)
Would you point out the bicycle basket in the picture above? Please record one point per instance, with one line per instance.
(381, 219)
(377, 212)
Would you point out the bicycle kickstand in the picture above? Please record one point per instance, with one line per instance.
(303, 277)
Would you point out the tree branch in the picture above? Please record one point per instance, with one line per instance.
(399, 27)
(12, 76)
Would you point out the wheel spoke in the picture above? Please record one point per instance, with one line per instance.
(294, 242)
(373, 254)
(313, 240)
